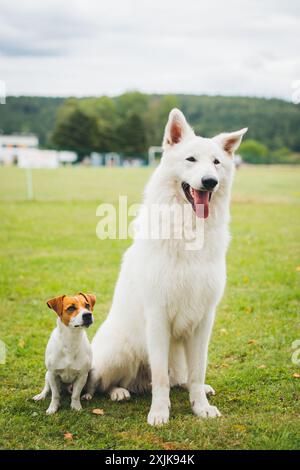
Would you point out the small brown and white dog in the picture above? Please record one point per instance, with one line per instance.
(68, 354)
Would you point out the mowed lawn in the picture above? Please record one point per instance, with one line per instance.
(48, 247)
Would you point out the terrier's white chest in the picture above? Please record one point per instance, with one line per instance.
(68, 375)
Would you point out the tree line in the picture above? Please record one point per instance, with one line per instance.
(133, 121)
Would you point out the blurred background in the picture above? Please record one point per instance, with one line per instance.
(97, 80)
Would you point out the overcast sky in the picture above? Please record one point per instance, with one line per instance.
(95, 47)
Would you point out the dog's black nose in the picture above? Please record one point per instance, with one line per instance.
(209, 182)
(87, 317)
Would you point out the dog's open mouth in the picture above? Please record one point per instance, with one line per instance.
(83, 325)
(198, 199)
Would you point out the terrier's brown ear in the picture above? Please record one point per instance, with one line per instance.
(90, 298)
(56, 304)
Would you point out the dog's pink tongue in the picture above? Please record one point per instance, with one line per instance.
(201, 201)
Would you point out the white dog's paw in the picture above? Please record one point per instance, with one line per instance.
(209, 390)
(119, 394)
(76, 405)
(205, 411)
(39, 397)
(87, 396)
(52, 409)
(158, 417)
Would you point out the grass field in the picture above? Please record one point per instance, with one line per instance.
(48, 246)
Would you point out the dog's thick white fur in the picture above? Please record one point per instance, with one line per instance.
(163, 310)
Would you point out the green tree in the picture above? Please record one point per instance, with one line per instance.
(281, 155)
(103, 111)
(78, 132)
(131, 103)
(156, 117)
(254, 152)
(132, 138)
(273, 122)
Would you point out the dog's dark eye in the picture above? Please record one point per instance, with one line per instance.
(87, 306)
(71, 308)
(216, 161)
(191, 159)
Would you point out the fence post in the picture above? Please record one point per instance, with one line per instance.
(29, 184)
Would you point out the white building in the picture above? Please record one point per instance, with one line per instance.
(36, 158)
(67, 157)
(23, 150)
(18, 141)
(11, 145)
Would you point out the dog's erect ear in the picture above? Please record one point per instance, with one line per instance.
(90, 298)
(56, 304)
(176, 129)
(230, 141)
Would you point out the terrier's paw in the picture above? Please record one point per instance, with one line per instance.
(87, 396)
(205, 411)
(76, 405)
(39, 397)
(119, 394)
(158, 417)
(52, 409)
(209, 390)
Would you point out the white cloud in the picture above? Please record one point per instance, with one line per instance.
(89, 47)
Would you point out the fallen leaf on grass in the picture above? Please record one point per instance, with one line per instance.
(240, 428)
(68, 436)
(248, 309)
(21, 343)
(298, 268)
(297, 376)
(252, 341)
(169, 446)
(98, 411)
(262, 366)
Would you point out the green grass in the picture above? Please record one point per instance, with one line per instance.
(48, 246)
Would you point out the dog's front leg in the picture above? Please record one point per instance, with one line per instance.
(77, 389)
(158, 342)
(196, 353)
(53, 382)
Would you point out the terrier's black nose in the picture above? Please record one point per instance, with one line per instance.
(87, 317)
(209, 182)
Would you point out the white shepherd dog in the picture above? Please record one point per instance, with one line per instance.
(158, 329)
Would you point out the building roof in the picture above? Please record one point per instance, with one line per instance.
(21, 140)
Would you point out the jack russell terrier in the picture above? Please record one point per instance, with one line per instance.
(68, 354)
